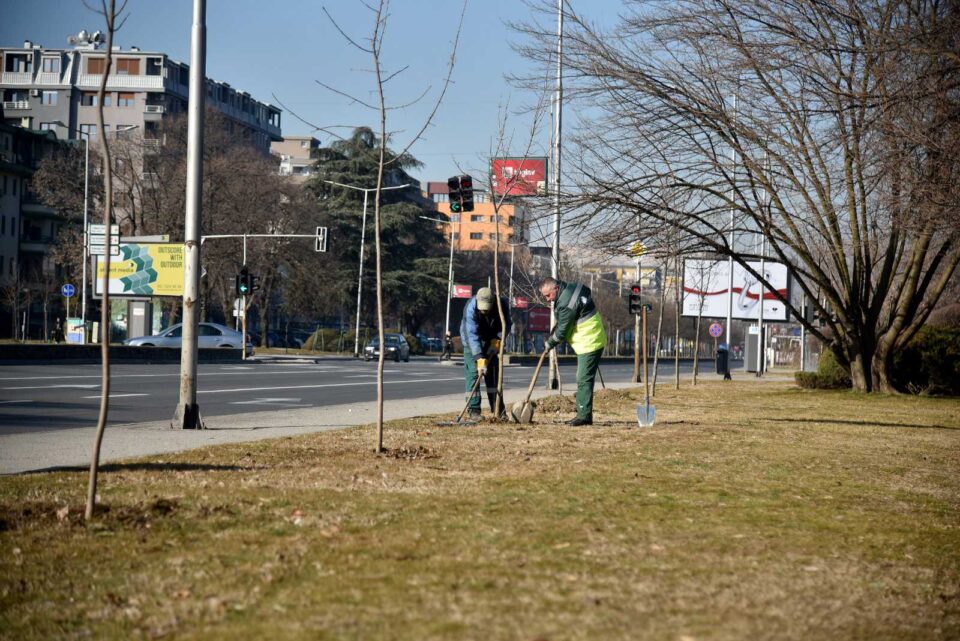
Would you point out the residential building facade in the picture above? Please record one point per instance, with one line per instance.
(56, 89)
(296, 154)
(476, 230)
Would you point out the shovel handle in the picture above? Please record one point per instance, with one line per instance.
(536, 375)
(469, 398)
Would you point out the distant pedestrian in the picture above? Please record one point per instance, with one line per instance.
(447, 353)
(58, 336)
(480, 332)
(578, 324)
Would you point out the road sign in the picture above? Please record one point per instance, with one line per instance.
(68, 290)
(100, 249)
(462, 291)
(637, 249)
(321, 242)
(102, 229)
(716, 330)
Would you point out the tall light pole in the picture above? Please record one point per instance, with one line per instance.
(554, 377)
(187, 414)
(363, 231)
(446, 324)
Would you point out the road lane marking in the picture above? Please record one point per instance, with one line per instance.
(171, 375)
(116, 395)
(11, 402)
(66, 386)
(263, 389)
(285, 402)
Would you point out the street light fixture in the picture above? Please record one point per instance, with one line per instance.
(363, 231)
(446, 325)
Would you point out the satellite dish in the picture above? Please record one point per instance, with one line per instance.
(72, 40)
(96, 37)
(82, 36)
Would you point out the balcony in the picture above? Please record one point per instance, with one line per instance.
(17, 78)
(48, 78)
(13, 105)
(92, 81)
(154, 109)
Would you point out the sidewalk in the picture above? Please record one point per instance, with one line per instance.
(50, 449)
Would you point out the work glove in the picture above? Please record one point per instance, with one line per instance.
(481, 366)
(550, 344)
(494, 350)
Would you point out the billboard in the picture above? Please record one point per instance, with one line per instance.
(519, 176)
(462, 291)
(707, 282)
(538, 319)
(144, 269)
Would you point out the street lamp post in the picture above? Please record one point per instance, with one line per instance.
(363, 231)
(446, 324)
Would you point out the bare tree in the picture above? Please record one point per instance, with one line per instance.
(374, 48)
(842, 114)
(110, 13)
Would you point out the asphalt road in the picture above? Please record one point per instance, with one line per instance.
(46, 397)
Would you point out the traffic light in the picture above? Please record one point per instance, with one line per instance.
(460, 190)
(636, 306)
(243, 281)
(254, 283)
(453, 189)
(466, 193)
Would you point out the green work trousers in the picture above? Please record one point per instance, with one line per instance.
(490, 379)
(587, 366)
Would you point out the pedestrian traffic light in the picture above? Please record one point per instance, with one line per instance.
(453, 190)
(254, 283)
(466, 193)
(243, 281)
(636, 306)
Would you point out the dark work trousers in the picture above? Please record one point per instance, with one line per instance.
(587, 366)
(470, 377)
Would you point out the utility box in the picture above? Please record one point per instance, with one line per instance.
(751, 345)
(139, 317)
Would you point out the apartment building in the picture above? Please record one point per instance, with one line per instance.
(296, 154)
(476, 230)
(56, 89)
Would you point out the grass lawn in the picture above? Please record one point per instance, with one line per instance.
(750, 511)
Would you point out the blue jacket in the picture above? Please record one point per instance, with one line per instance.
(477, 330)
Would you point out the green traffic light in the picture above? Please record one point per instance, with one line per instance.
(455, 207)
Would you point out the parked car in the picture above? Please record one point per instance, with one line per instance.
(397, 348)
(208, 335)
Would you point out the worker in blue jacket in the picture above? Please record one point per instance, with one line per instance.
(481, 333)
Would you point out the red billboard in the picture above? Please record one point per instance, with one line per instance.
(519, 302)
(462, 291)
(538, 319)
(519, 176)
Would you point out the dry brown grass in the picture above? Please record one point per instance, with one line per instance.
(748, 511)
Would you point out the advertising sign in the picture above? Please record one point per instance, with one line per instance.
(521, 302)
(462, 291)
(144, 269)
(706, 289)
(538, 319)
(519, 176)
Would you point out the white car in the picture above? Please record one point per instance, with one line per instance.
(208, 335)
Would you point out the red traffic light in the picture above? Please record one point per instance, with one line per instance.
(635, 289)
(466, 182)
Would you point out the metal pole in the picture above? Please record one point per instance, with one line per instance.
(733, 162)
(513, 327)
(446, 325)
(803, 335)
(637, 333)
(763, 290)
(243, 308)
(554, 382)
(363, 232)
(187, 415)
(86, 193)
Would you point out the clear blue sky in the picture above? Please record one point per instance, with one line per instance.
(283, 47)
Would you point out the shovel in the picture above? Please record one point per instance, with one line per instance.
(646, 412)
(473, 392)
(522, 411)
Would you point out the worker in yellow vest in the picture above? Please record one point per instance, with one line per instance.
(578, 323)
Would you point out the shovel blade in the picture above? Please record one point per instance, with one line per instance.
(646, 414)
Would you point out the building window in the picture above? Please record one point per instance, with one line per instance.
(95, 66)
(89, 99)
(48, 98)
(492, 236)
(90, 131)
(456, 235)
(18, 62)
(512, 221)
(476, 218)
(153, 66)
(128, 66)
(51, 65)
(475, 235)
(48, 126)
(454, 218)
(125, 99)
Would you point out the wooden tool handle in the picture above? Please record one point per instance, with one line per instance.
(536, 375)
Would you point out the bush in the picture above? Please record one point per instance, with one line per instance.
(930, 364)
(829, 374)
(415, 346)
